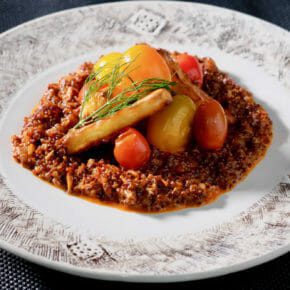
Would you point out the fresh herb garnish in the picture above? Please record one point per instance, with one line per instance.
(134, 92)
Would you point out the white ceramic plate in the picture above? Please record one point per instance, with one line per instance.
(245, 227)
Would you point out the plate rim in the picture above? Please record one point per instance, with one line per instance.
(59, 12)
(139, 278)
(95, 273)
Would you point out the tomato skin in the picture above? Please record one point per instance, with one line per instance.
(169, 130)
(106, 63)
(94, 101)
(190, 65)
(132, 150)
(85, 88)
(146, 62)
(210, 125)
(136, 61)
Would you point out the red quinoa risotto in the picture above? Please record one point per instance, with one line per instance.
(147, 130)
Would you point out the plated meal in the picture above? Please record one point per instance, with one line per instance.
(148, 107)
(147, 130)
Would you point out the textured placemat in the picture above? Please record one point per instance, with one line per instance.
(16, 273)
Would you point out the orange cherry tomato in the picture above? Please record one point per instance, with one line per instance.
(146, 62)
(131, 150)
(210, 125)
(190, 65)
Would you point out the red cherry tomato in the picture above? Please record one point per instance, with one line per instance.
(132, 150)
(191, 67)
(210, 125)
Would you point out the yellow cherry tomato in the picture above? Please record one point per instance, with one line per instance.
(106, 63)
(140, 62)
(103, 66)
(169, 130)
(93, 103)
(145, 62)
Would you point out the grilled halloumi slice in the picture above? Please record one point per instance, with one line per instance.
(78, 140)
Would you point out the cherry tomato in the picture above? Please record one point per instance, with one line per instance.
(169, 130)
(106, 63)
(210, 125)
(132, 150)
(190, 65)
(146, 63)
(95, 100)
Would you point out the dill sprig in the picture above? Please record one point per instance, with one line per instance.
(111, 80)
(131, 94)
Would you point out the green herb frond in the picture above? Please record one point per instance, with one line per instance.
(127, 97)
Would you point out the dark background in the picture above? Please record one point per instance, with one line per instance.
(16, 273)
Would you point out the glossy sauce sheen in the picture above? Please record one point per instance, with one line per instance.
(191, 178)
(164, 210)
